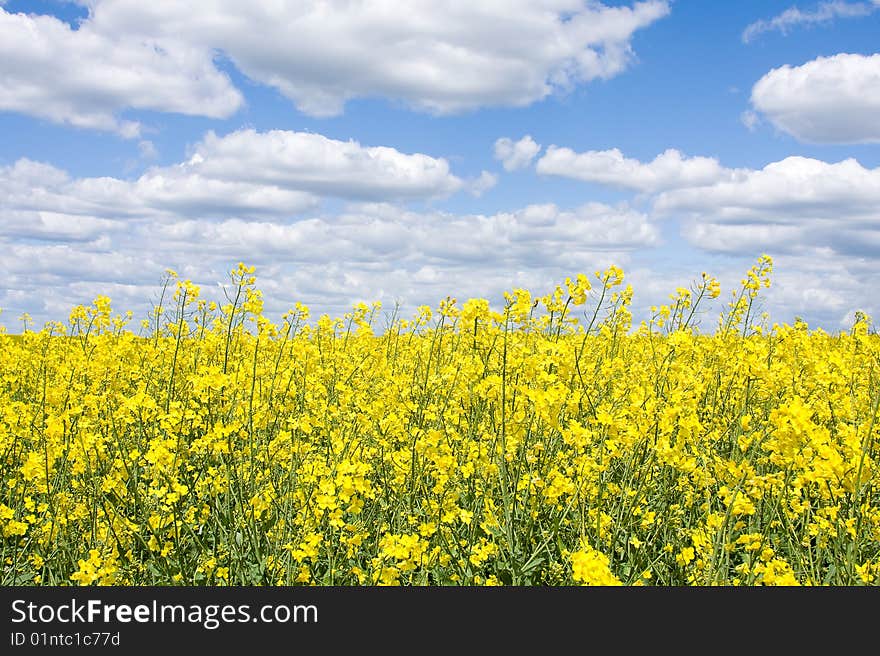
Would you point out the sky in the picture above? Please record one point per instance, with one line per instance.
(403, 152)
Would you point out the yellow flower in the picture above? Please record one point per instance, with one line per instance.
(591, 567)
(685, 556)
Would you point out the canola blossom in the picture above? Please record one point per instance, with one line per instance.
(545, 442)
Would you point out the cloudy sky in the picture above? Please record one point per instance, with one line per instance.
(406, 151)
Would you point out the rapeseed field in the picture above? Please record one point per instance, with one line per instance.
(548, 441)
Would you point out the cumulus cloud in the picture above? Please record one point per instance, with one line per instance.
(369, 251)
(85, 77)
(793, 205)
(147, 149)
(540, 234)
(827, 100)
(819, 220)
(245, 174)
(827, 287)
(255, 197)
(819, 285)
(168, 192)
(312, 162)
(823, 13)
(483, 183)
(439, 57)
(516, 154)
(668, 170)
(793, 189)
(823, 268)
(750, 119)
(46, 225)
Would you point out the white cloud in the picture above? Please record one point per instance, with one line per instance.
(47, 225)
(516, 155)
(85, 77)
(668, 170)
(825, 286)
(440, 56)
(827, 100)
(245, 174)
(147, 149)
(378, 251)
(483, 183)
(253, 197)
(825, 12)
(370, 234)
(819, 220)
(314, 163)
(170, 192)
(792, 189)
(370, 251)
(796, 191)
(819, 285)
(741, 238)
(182, 193)
(750, 119)
(794, 205)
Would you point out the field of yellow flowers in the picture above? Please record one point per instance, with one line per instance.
(549, 442)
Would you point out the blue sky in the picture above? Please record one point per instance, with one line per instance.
(407, 151)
